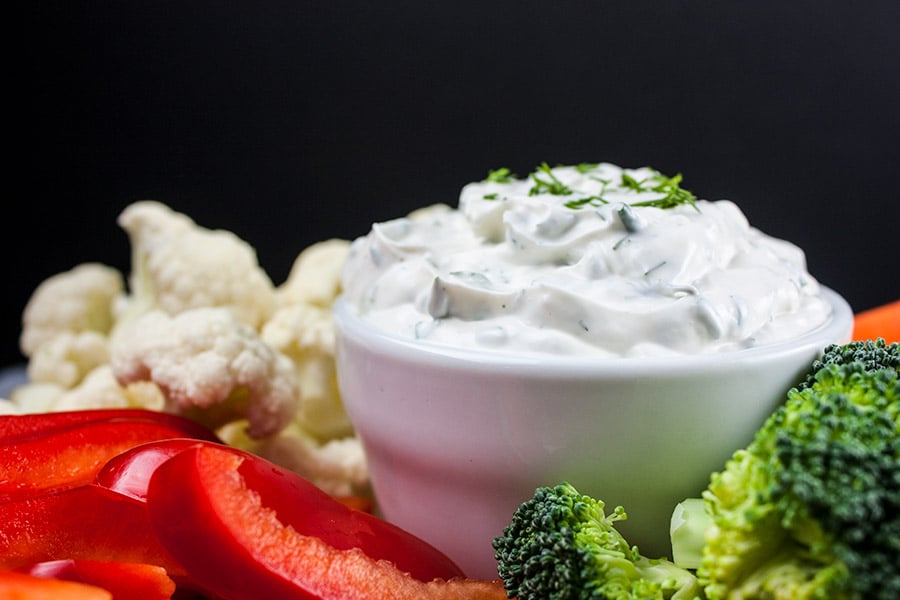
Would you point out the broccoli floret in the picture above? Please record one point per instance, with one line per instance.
(873, 354)
(811, 508)
(561, 545)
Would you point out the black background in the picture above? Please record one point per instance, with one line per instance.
(292, 122)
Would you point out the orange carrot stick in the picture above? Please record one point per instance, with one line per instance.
(879, 322)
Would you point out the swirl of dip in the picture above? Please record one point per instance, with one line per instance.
(590, 259)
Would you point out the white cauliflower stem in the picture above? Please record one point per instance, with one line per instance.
(178, 265)
(315, 276)
(305, 333)
(210, 366)
(303, 329)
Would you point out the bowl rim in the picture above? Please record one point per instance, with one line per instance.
(349, 325)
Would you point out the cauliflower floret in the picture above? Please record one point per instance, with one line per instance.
(211, 367)
(66, 358)
(36, 397)
(305, 333)
(315, 276)
(177, 265)
(98, 389)
(101, 389)
(201, 332)
(337, 466)
(75, 301)
(302, 328)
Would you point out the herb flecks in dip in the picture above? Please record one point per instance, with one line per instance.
(584, 259)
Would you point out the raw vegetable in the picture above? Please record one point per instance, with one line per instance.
(178, 265)
(146, 505)
(211, 366)
(879, 322)
(66, 450)
(873, 355)
(82, 523)
(241, 534)
(22, 586)
(562, 545)
(129, 473)
(79, 322)
(125, 581)
(73, 303)
(15, 428)
(99, 389)
(300, 505)
(811, 508)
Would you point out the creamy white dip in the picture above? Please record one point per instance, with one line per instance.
(567, 262)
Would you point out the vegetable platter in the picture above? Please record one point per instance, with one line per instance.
(180, 434)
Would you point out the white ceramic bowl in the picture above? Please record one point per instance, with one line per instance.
(456, 440)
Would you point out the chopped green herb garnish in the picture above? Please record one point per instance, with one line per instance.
(654, 268)
(546, 182)
(670, 186)
(624, 240)
(587, 201)
(501, 175)
(551, 185)
(631, 183)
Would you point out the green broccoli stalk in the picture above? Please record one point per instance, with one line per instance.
(561, 545)
(811, 508)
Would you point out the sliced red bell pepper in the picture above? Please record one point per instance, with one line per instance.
(299, 503)
(125, 581)
(70, 456)
(82, 523)
(245, 529)
(22, 586)
(129, 472)
(15, 428)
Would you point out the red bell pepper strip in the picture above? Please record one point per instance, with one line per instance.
(16, 428)
(22, 586)
(125, 581)
(82, 523)
(299, 503)
(129, 473)
(245, 529)
(71, 456)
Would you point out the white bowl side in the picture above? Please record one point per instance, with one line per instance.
(455, 442)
